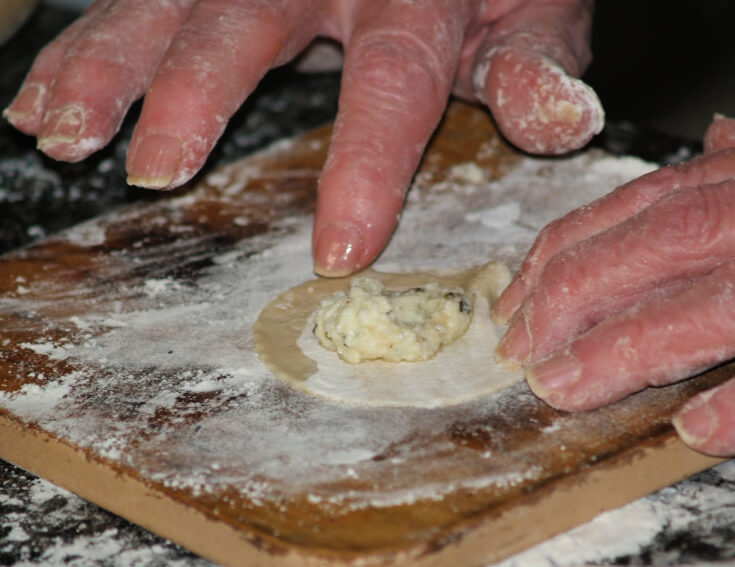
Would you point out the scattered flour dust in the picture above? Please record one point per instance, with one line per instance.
(192, 340)
(89, 233)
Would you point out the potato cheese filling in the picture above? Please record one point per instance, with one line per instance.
(370, 322)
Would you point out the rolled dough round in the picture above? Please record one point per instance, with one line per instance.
(462, 371)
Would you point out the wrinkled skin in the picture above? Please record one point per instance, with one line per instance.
(197, 60)
(635, 289)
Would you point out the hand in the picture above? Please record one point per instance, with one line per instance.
(197, 60)
(635, 289)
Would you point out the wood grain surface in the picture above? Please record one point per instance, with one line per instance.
(463, 485)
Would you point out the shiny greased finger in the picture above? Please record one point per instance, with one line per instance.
(103, 72)
(214, 62)
(685, 234)
(524, 69)
(600, 215)
(670, 337)
(400, 61)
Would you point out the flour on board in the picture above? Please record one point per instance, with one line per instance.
(150, 358)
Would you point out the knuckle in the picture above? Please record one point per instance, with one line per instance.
(695, 221)
(230, 17)
(634, 196)
(421, 69)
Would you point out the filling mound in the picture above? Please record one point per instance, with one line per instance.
(371, 322)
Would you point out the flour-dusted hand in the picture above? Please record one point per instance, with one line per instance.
(197, 60)
(636, 289)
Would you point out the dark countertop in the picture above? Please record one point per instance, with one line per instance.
(40, 524)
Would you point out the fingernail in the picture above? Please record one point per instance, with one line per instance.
(27, 104)
(156, 160)
(515, 347)
(554, 375)
(62, 126)
(338, 250)
(508, 302)
(696, 422)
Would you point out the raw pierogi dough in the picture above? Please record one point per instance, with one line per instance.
(460, 372)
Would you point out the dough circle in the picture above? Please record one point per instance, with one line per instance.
(462, 371)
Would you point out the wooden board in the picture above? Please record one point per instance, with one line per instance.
(127, 375)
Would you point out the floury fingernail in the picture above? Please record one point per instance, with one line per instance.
(61, 126)
(508, 302)
(28, 104)
(516, 345)
(554, 375)
(697, 422)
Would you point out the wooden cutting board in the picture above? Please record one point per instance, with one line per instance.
(128, 375)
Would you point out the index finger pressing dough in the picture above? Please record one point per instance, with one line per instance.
(461, 371)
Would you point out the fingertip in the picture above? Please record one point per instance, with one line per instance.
(537, 105)
(155, 162)
(516, 347)
(720, 134)
(506, 363)
(64, 134)
(508, 302)
(696, 423)
(555, 380)
(536, 386)
(61, 132)
(707, 422)
(339, 250)
(26, 110)
(356, 213)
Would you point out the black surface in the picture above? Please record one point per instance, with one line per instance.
(664, 64)
(59, 519)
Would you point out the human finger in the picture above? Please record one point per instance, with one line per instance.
(215, 61)
(606, 212)
(707, 422)
(524, 69)
(682, 236)
(400, 61)
(104, 69)
(26, 109)
(720, 134)
(670, 337)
